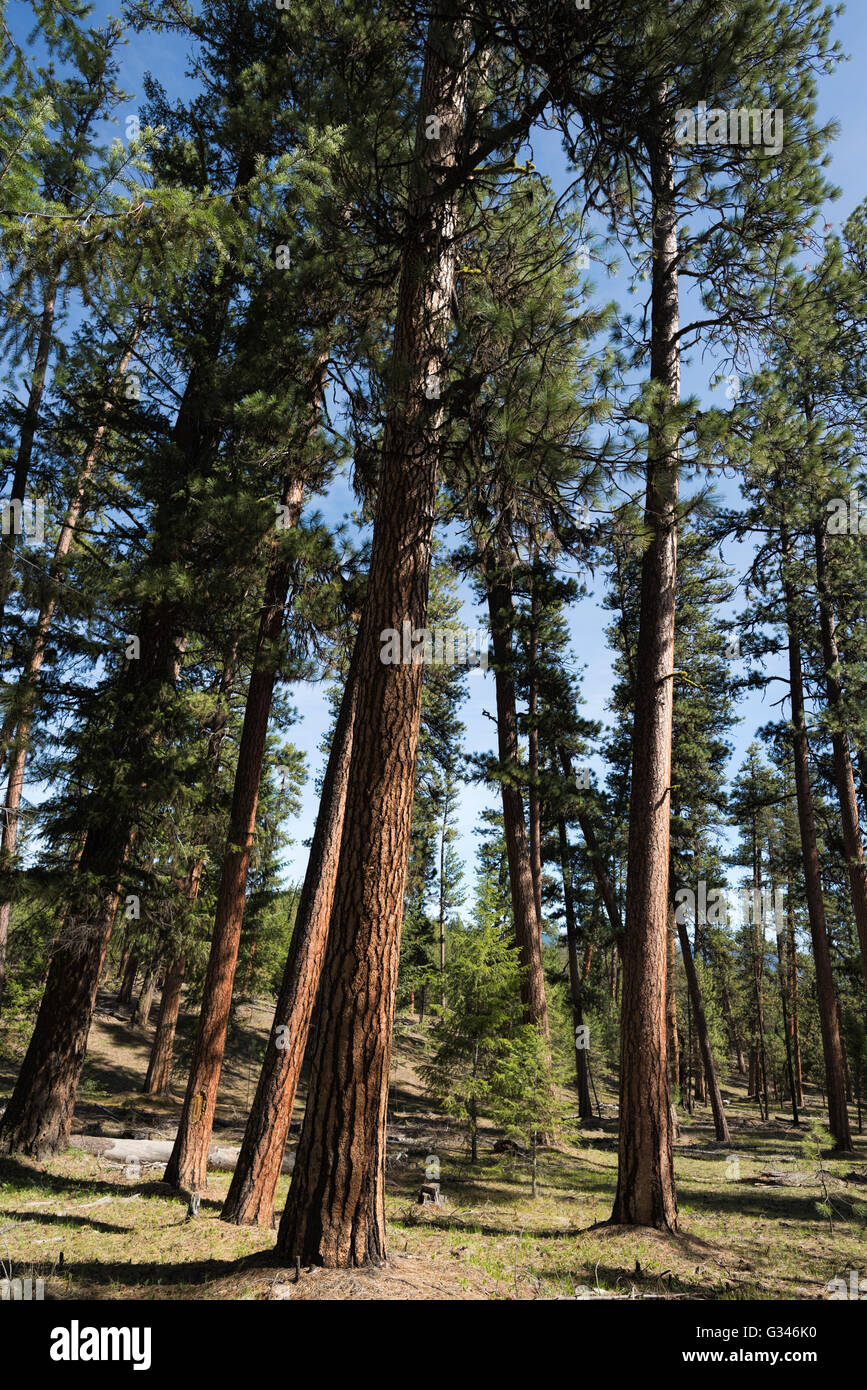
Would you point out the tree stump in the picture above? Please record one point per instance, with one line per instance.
(429, 1194)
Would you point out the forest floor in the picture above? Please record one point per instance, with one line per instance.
(749, 1212)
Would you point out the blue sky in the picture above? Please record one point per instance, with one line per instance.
(842, 99)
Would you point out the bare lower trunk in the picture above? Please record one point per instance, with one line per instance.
(38, 1118)
(585, 1106)
(250, 1200)
(758, 946)
(720, 1123)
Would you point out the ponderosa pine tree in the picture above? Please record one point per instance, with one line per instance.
(326, 1221)
(650, 182)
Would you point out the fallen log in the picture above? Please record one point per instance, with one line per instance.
(155, 1153)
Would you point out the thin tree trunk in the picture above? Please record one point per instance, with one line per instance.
(594, 854)
(585, 1106)
(645, 1179)
(838, 1115)
(442, 896)
(720, 1123)
(142, 1011)
(127, 984)
(734, 1035)
(783, 983)
(29, 426)
(758, 946)
(671, 1007)
(159, 1074)
(188, 1165)
(335, 1213)
(792, 959)
(528, 933)
(250, 1200)
(843, 774)
(534, 806)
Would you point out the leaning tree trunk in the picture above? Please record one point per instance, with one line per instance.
(838, 1115)
(528, 931)
(720, 1123)
(645, 1179)
(188, 1165)
(250, 1200)
(843, 774)
(39, 1115)
(40, 1111)
(20, 715)
(335, 1213)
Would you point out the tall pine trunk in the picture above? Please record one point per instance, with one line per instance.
(645, 1179)
(843, 774)
(838, 1115)
(335, 1213)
